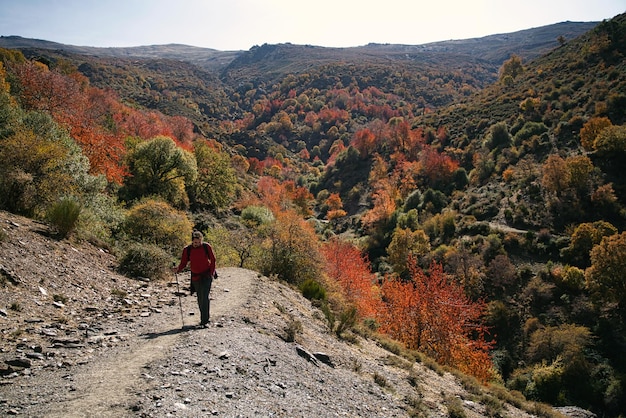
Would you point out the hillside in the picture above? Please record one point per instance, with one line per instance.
(266, 64)
(566, 87)
(476, 198)
(204, 84)
(80, 339)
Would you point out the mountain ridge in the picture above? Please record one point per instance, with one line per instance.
(491, 46)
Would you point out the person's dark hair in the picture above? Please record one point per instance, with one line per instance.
(196, 234)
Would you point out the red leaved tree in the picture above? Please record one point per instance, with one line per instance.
(431, 313)
(438, 168)
(384, 205)
(78, 107)
(272, 193)
(349, 267)
(365, 141)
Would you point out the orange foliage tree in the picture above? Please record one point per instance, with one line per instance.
(256, 166)
(432, 313)
(147, 124)
(384, 197)
(43, 89)
(438, 169)
(335, 149)
(291, 249)
(349, 267)
(556, 176)
(75, 105)
(405, 140)
(405, 174)
(384, 205)
(302, 199)
(95, 118)
(365, 141)
(272, 193)
(335, 207)
(590, 131)
(279, 196)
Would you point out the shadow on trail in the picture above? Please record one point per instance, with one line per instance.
(173, 331)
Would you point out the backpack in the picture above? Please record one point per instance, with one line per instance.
(204, 245)
(206, 251)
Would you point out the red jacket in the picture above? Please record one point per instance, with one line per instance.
(200, 263)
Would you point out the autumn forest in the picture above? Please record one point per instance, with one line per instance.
(473, 209)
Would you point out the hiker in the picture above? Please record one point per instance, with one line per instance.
(202, 259)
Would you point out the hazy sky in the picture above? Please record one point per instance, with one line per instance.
(241, 24)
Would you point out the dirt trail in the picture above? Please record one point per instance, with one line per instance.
(107, 386)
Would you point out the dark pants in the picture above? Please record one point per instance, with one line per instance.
(203, 288)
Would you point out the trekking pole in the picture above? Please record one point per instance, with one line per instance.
(180, 304)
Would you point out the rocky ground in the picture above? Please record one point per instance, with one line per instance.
(79, 339)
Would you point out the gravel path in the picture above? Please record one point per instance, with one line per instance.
(106, 386)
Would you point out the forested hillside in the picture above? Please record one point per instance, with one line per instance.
(470, 206)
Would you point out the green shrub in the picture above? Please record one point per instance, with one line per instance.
(455, 407)
(290, 251)
(292, 329)
(413, 201)
(63, 216)
(460, 178)
(217, 184)
(280, 307)
(408, 220)
(434, 201)
(145, 260)
(159, 167)
(313, 290)
(390, 345)
(256, 215)
(237, 246)
(494, 407)
(528, 130)
(498, 136)
(347, 319)
(157, 223)
(381, 380)
(414, 378)
(329, 315)
(416, 407)
(370, 324)
(32, 172)
(101, 215)
(541, 382)
(397, 362)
